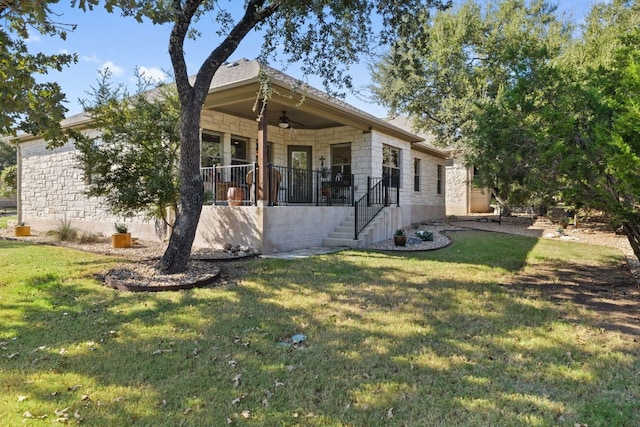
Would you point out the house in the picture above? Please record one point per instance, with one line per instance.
(463, 196)
(313, 170)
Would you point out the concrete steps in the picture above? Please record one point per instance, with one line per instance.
(343, 234)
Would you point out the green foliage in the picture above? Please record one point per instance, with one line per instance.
(65, 231)
(132, 163)
(121, 228)
(8, 181)
(458, 62)
(7, 155)
(546, 116)
(25, 104)
(399, 232)
(426, 236)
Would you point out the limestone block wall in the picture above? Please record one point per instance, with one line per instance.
(52, 189)
(462, 197)
(427, 203)
(360, 142)
(268, 229)
(457, 183)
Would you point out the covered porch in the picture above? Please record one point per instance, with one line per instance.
(284, 173)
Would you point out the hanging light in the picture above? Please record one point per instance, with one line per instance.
(284, 121)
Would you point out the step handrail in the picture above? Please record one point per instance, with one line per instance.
(372, 202)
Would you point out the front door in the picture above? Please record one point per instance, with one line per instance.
(300, 177)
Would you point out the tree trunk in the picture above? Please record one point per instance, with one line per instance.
(633, 235)
(178, 252)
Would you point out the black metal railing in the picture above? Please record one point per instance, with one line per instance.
(379, 194)
(334, 189)
(227, 185)
(235, 186)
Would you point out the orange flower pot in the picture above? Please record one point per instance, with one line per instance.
(121, 240)
(22, 230)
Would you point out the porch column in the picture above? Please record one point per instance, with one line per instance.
(261, 181)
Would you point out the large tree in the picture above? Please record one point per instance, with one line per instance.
(27, 105)
(322, 35)
(545, 116)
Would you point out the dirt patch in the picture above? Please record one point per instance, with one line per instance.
(611, 294)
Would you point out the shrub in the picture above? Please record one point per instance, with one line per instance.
(426, 236)
(89, 237)
(65, 231)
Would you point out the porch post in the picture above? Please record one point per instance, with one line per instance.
(261, 176)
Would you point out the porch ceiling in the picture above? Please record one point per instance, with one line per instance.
(306, 107)
(308, 114)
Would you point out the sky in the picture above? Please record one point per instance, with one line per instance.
(102, 40)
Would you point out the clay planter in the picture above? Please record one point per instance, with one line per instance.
(22, 230)
(235, 196)
(400, 240)
(121, 240)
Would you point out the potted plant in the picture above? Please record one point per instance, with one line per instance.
(400, 238)
(22, 230)
(121, 238)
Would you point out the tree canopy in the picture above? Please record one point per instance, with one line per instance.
(545, 115)
(26, 104)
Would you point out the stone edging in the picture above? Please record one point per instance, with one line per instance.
(162, 288)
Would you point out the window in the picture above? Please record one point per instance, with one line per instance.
(416, 174)
(475, 178)
(391, 164)
(439, 179)
(210, 149)
(341, 163)
(239, 154)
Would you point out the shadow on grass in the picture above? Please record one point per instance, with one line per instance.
(404, 340)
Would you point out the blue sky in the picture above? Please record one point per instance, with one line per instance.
(121, 44)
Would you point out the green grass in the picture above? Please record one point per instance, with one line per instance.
(391, 339)
(5, 218)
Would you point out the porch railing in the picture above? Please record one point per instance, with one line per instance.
(227, 185)
(235, 185)
(378, 195)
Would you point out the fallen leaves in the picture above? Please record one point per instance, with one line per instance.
(236, 380)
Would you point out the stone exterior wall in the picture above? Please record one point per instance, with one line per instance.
(457, 183)
(427, 203)
(462, 197)
(52, 189)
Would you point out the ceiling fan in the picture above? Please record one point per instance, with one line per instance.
(285, 122)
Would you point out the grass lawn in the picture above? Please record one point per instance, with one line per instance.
(10, 214)
(391, 339)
